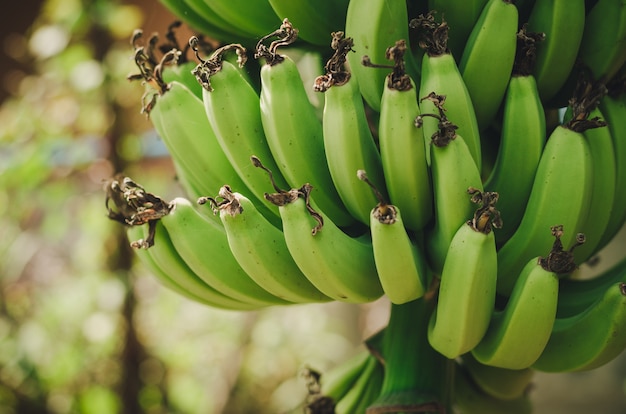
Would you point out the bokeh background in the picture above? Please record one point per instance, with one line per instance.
(83, 328)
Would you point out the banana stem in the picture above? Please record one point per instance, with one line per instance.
(417, 378)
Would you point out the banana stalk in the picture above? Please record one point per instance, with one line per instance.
(414, 371)
(464, 301)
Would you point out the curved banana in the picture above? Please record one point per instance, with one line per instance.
(500, 383)
(589, 339)
(575, 295)
(256, 17)
(613, 108)
(315, 19)
(399, 262)
(518, 334)
(292, 128)
(560, 195)
(402, 149)
(469, 398)
(203, 245)
(133, 206)
(375, 25)
(336, 382)
(182, 10)
(260, 249)
(232, 108)
(563, 22)
(488, 57)
(603, 188)
(467, 290)
(603, 45)
(187, 152)
(453, 171)
(440, 75)
(363, 391)
(339, 265)
(461, 16)
(165, 257)
(205, 10)
(183, 175)
(181, 73)
(522, 138)
(185, 129)
(145, 258)
(346, 131)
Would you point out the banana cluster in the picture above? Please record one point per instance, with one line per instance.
(466, 158)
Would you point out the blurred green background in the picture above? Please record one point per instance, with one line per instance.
(83, 329)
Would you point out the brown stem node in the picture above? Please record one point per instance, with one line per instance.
(561, 261)
(286, 34)
(334, 70)
(486, 215)
(212, 65)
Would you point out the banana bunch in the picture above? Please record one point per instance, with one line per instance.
(460, 158)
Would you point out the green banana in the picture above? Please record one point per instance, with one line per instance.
(613, 108)
(339, 265)
(375, 25)
(488, 58)
(358, 394)
(468, 281)
(414, 371)
(560, 195)
(589, 339)
(310, 64)
(181, 73)
(145, 258)
(203, 245)
(185, 129)
(575, 295)
(183, 11)
(133, 206)
(522, 139)
(518, 334)
(399, 262)
(293, 130)
(470, 399)
(461, 16)
(209, 15)
(256, 17)
(453, 171)
(371, 390)
(164, 255)
(314, 19)
(603, 188)
(346, 131)
(402, 148)
(603, 45)
(151, 73)
(336, 382)
(260, 249)
(563, 22)
(232, 108)
(183, 175)
(440, 75)
(180, 120)
(500, 383)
